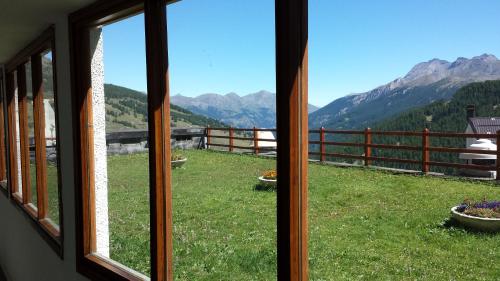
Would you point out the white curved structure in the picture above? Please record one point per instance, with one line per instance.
(479, 158)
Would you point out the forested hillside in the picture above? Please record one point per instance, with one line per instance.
(440, 116)
(127, 109)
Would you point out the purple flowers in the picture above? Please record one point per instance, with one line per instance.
(483, 209)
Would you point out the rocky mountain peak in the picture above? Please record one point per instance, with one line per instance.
(426, 82)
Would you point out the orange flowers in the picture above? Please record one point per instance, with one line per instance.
(270, 175)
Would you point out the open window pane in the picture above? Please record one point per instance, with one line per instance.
(120, 144)
(222, 70)
(50, 119)
(31, 136)
(382, 81)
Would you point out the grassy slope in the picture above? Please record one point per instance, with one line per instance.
(363, 224)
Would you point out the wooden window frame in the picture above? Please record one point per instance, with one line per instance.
(3, 137)
(291, 82)
(37, 212)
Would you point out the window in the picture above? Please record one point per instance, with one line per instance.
(115, 228)
(32, 101)
(292, 151)
(3, 147)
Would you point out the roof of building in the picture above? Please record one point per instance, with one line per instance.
(485, 125)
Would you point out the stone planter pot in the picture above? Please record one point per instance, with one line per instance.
(480, 224)
(178, 163)
(267, 182)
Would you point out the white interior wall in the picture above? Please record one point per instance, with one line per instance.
(24, 254)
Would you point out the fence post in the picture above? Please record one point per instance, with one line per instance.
(425, 151)
(498, 156)
(231, 132)
(208, 136)
(322, 144)
(255, 141)
(368, 149)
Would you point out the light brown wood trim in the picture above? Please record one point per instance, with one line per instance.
(159, 137)
(117, 271)
(12, 135)
(23, 132)
(161, 215)
(40, 142)
(292, 133)
(87, 147)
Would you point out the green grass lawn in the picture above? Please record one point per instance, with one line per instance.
(363, 224)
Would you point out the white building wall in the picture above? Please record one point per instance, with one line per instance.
(100, 149)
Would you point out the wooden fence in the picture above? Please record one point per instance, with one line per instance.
(242, 136)
(368, 146)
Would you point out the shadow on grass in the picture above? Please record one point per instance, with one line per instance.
(453, 225)
(264, 187)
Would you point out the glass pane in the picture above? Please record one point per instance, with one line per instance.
(222, 73)
(49, 104)
(121, 156)
(18, 138)
(399, 71)
(31, 134)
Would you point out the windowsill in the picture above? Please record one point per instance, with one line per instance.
(117, 268)
(18, 197)
(31, 210)
(52, 228)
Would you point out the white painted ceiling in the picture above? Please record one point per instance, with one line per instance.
(21, 21)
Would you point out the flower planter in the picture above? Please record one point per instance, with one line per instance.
(178, 163)
(267, 182)
(477, 223)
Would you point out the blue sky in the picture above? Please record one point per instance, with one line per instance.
(222, 46)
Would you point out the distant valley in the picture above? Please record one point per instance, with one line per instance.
(257, 109)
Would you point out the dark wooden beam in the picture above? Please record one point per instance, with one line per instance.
(12, 135)
(292, 133)
(3, 147)
(159, 137)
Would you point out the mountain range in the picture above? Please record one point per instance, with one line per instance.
(425, 83)
(257, 109)
(126, 109)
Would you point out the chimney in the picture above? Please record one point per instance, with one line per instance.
(471, 111)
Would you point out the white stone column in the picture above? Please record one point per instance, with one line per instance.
(100, 151)
(18, 143)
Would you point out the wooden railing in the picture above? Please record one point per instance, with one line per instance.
(324, 145)
(249, 135)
